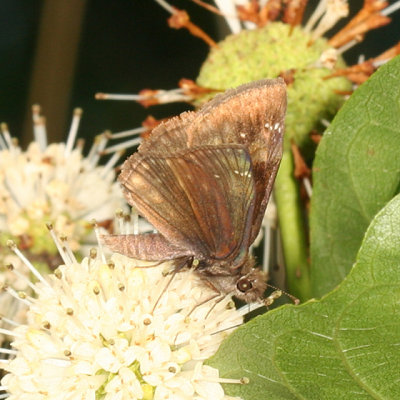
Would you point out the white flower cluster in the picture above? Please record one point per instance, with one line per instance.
(52, 185)
(119, 331)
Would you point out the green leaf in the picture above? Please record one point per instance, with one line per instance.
(356, 172)
(345, 346)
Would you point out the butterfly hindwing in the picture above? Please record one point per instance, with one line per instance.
(201, 199)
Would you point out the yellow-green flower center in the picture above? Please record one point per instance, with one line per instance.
(148, 390)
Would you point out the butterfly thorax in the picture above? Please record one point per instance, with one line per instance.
(244, 281)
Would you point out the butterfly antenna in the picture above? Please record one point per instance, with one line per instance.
(278, 293)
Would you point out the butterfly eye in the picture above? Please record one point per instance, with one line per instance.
(244, 285)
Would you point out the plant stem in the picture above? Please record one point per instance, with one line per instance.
(293, 231)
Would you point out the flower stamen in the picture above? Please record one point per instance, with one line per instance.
(22, 277)
(58, 244)
(9, 321)
(228, 10)
(9, 332)
(208, 7)
(7, 143)
(73, 131)
(180, 19)
(301, 170)
(121, 147)
(122, 228)
(97, 148)
(294, 12)
(391, 9)
(100, 246)
(20, 296)
(127, 133)
(13, 247)
(335, 10)
(111, 162)
(368, 18)
(67, 249)
(8, 351)
(40, 133)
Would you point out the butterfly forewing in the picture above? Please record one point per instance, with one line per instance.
(169, 136)
(185, 197)
(252, 115)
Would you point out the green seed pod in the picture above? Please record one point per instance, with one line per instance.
(270, 52)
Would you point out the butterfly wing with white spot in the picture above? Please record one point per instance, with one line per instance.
(252, 115)
(201, 199)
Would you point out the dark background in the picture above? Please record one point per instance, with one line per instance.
(118, 46)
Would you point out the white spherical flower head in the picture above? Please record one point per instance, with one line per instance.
(55, 186)
(120, 331)
(50, 183)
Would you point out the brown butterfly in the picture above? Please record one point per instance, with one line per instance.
(203, 180)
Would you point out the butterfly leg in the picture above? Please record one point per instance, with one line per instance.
(215, 303)
(204, 302)
(178, 268)
(219, 296)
